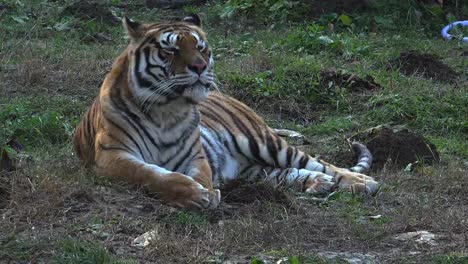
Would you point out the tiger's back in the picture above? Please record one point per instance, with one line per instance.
(216, 116)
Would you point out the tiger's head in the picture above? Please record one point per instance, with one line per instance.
(169, 61)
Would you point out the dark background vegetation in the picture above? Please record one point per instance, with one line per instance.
(331, 70)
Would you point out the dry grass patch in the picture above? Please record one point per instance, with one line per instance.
(32, 73)
(52, 200)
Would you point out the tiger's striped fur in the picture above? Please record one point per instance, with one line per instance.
(156, 124)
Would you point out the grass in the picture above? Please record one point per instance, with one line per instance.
(51, 68)
(450, 259)
(34, 124)
(12, 248)
(71, 251)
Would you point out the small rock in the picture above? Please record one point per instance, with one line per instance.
(421, 237)
(375, 216)
(145, 239)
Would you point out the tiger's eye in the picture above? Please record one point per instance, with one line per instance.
(202, 47)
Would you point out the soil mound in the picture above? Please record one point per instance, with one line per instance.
(351, 82)
(5, 187)
(412, 62)
(239, 192)
(398, 148)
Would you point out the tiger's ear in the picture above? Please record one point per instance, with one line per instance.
(193, 19)
(134, 29)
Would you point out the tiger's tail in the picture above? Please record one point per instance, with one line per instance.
(364, 160)
(85, 134)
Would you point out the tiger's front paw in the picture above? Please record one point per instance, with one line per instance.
(214, 198)
(184, 192)
(356, 182)
(201, 198)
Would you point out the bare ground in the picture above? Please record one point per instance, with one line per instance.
(43, 208)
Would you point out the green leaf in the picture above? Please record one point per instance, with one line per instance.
(451, 18)
(256, 261)
(294, 260)
(346, 20)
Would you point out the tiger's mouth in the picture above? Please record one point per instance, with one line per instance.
(199, 82)
(195, 92)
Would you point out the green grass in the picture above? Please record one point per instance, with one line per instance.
(330, 126)
(32, 123)
(72, 251)
(186, 219)
(305, 259)
(450, 259)
(14, 248)
(455, 145)
(429, 107)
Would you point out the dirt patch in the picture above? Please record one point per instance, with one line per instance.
(240, 192)
(351, 82)
(398, 148)
(5, 187)
(88, 10)
(6, 163)
(413, 62)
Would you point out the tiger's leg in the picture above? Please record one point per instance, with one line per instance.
(309, 181)
(175, 189)
(200, 171)
(258, 148)
(294, 168)
(297, 179)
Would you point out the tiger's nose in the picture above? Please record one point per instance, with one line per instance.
(198, 67)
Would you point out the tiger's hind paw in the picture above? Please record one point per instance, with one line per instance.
(317, 182)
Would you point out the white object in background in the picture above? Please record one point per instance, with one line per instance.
(446, 29)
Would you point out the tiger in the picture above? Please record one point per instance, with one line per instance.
(161, 123)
